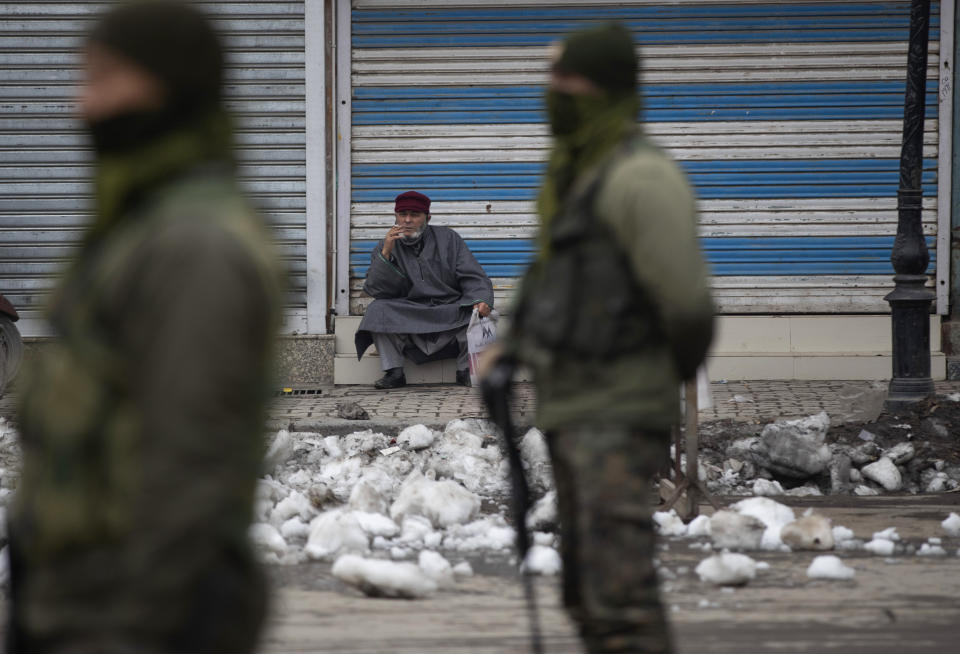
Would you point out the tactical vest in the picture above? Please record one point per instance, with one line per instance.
(582, 300)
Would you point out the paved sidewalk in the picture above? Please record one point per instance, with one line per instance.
(315, 409)
(753, 401)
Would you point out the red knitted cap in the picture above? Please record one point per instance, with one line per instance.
(412, 201)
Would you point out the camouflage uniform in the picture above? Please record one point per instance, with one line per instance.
(603, 475)
(142, 435)
(613, 315)
(142, 421)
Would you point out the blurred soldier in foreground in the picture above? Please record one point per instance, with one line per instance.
(141, 422)
(613, 315)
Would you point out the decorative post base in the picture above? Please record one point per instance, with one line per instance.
(910, 304)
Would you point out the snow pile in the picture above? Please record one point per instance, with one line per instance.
(337, 531)
(932, 547)
(437, 568)
(542, 560)
(490, 533)
(765, 487)
(727, 569)
(883, 541)
(699, 526)
(369, 495)
(841, 534)
(792, 457)
(268, 538)
(890, 533)
(828, 566)
(416, 437)
(951, 525)
(668, 523)
(773, 515)
(732, 530)
(444, 503)
(379, 578)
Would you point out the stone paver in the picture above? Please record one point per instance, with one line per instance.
(751, 401)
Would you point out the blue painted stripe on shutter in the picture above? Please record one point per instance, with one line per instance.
(692, 23)
(667, 102)
(726, 256)
(712, 179)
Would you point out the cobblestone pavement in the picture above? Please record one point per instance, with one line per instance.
(741, 400)
(433, 403)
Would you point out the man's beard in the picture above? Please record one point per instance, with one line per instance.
(414, 238)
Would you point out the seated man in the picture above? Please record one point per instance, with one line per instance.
(425, 283)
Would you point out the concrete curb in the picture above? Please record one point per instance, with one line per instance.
(341, 427)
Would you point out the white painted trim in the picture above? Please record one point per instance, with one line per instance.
(316, 136)
(945, 155)
(342, 48)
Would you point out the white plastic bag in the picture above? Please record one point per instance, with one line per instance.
(481, 334)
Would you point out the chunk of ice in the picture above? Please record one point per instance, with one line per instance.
(727, 569)
(668, 523)
(542, 560)
(880, 546)
(379, 578)
(828, 566)
(268, 538)
(890, 533)
(951, 525)
(436, 568)
(928, 549)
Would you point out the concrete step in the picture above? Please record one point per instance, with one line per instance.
(856, 366)
(746, 347)
(347, 370)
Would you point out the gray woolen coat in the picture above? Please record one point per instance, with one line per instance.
(422, 290)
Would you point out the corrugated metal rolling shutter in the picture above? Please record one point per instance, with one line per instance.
(786, 115)
(45, 163)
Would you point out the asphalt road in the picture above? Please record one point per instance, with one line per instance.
(903, 604)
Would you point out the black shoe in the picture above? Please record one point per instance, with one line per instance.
(393, 379)
(463, 378)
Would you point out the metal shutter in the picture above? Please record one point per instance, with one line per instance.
(786, 115)
(45, 165)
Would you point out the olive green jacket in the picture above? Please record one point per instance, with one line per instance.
(648, 206)
(142, 421)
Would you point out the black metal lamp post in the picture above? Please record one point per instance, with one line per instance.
(910, 300)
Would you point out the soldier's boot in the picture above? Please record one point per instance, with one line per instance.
(622, 638)
(463, 378)
(393, 379)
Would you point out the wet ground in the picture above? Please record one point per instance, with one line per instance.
(905, 603)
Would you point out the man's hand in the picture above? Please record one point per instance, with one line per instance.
(395, 233)
(483, 309)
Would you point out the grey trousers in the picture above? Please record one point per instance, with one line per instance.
(391, 346)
